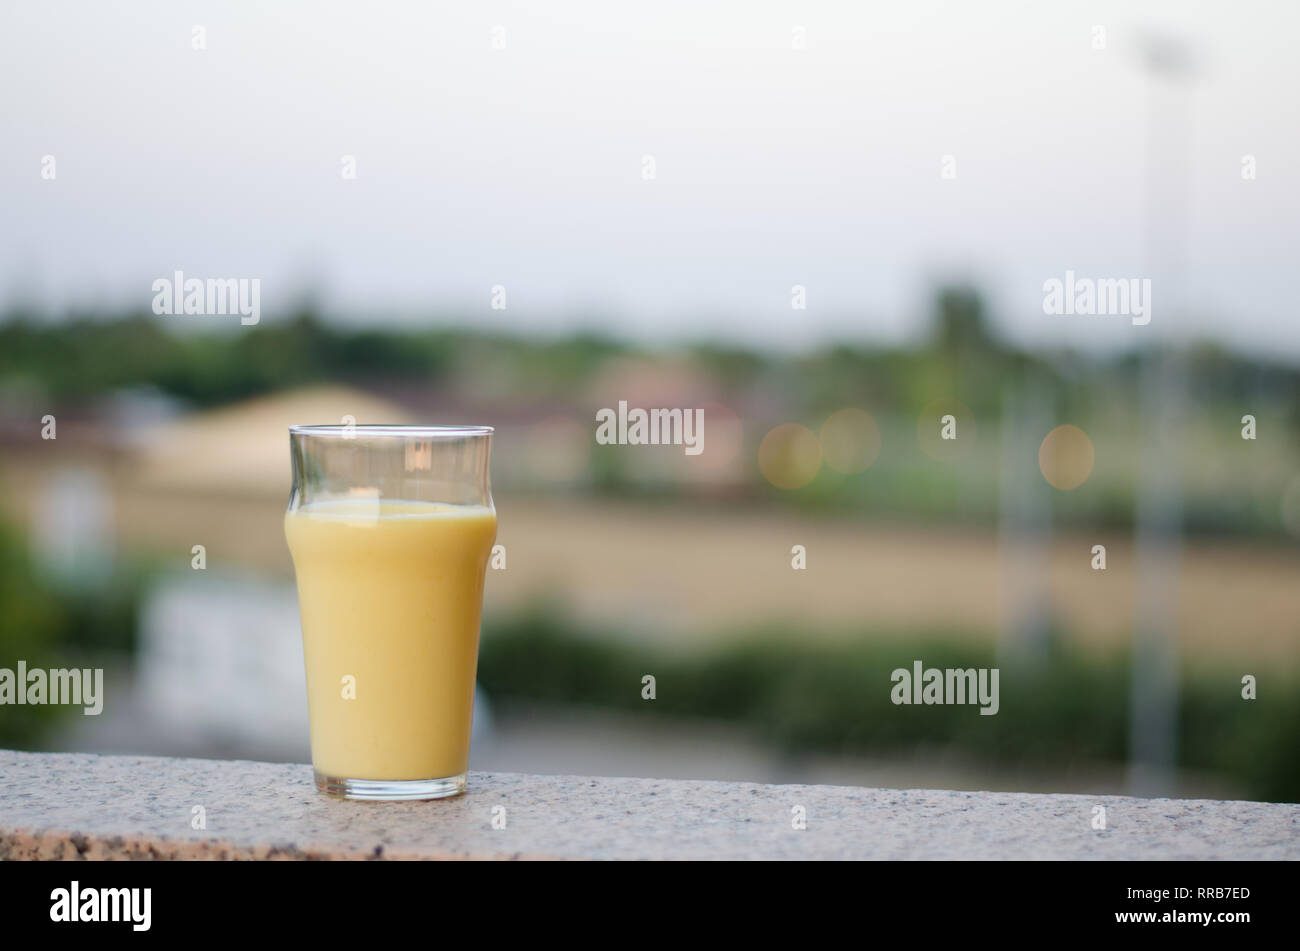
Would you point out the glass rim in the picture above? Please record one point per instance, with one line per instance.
(344, 430)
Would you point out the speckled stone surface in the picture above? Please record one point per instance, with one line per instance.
(80, 806)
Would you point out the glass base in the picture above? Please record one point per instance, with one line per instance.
(391, 790)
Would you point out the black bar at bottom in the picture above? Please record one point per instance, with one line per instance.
(213, 900)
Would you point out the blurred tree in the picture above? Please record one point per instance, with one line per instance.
(960, 323)
(30, 622)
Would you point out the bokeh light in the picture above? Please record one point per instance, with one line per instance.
(789, 456)
(1066, 457)
(850, 440)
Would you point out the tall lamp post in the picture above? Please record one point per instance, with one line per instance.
(1153, 723)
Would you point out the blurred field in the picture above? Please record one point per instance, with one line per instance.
(676, 571)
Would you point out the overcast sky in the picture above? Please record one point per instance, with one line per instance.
(774, 166)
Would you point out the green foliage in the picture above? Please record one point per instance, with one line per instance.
(50, 629)
(84, 357)
(803, 694)
(731, 366)
(30, 626)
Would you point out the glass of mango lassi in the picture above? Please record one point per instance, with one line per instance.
(390, 528)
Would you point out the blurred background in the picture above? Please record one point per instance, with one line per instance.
(826, 225)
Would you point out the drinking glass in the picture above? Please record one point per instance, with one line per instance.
(390, 528)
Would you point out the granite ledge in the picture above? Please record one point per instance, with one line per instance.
(82, 806)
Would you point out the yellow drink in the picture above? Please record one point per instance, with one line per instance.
(391, 595)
